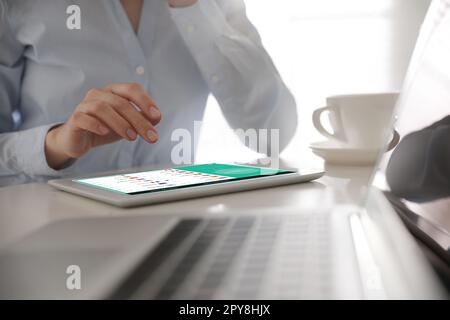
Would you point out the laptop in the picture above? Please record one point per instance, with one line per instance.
(348, 252)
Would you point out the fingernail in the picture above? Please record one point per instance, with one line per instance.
(154, 113)
(103, 129)
(152, 135)
(131, 134)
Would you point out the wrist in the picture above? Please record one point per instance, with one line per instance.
(55, 156)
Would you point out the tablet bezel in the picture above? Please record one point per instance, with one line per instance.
(131, 200)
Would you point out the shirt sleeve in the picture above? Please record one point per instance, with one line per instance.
(236, 67)
(22, 153)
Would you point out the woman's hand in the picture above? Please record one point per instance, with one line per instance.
(181, 3)
(104, 116)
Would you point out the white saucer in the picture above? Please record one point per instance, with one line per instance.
(335, 153)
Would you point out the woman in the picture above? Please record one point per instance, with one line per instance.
(109, 94)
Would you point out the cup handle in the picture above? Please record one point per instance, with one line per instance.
(318, 123)
(395, 140)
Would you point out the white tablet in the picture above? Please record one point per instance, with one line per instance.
(149, 187)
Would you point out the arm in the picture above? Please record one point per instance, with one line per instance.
(105, 115)
(419, 168)
(237, 69)
(21, 152)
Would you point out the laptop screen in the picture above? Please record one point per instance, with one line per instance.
(416, 174)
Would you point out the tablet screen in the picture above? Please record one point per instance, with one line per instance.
(175, 178)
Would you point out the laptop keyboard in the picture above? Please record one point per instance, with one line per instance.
(248, 257)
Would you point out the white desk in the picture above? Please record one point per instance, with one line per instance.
(27, 207)
(24, 208)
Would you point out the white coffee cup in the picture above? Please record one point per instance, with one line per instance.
(360, 121)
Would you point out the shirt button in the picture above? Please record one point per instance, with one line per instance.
(215, 79)
(191, 29)
(140, 70)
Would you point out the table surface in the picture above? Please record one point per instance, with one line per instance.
(27, 207)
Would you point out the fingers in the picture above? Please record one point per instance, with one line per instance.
(142, 125)
(86, 122)
(135, 93)
(103, 111)
(126, 110)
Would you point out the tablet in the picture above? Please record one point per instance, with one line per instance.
(156, 186)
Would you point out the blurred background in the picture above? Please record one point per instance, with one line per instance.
(323, 48)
